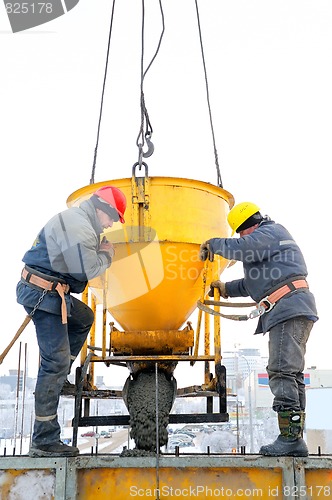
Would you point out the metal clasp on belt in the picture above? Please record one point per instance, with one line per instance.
(256, 313)
(268, 305)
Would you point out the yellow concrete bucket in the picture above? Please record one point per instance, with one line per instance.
(155, 279)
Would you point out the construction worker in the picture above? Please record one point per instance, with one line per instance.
(275, 278)
(66, 254)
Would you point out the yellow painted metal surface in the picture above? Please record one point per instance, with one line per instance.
(318, 484)
(146, 342)
(155, 279)
(189, 482)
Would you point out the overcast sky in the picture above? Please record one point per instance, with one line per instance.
(270, 80)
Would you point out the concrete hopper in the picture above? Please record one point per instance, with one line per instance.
(155, 281)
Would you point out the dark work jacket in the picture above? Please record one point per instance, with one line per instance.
(269, 256)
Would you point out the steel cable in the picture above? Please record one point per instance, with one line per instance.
(219, 181)
(145, 120)
(92, 179)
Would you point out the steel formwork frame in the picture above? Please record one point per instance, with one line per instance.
(98, 477)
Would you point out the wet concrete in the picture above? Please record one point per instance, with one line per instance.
(137, 453)
(140, 398)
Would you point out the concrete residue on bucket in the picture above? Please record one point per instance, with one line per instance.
(140, 397)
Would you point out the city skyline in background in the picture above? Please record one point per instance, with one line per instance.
(242, 357)
(249, 405)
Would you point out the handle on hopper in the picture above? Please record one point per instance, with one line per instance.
(199, 320)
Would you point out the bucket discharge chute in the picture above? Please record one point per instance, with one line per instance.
(154, 281)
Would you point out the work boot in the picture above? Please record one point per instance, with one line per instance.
(58, 449)
(289, 443)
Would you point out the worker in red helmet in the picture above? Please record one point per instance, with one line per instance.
(112, 197)
(67, 253)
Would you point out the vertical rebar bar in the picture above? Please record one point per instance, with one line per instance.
(17, 396)
(23, 394)
(157, 433)
(31, 426)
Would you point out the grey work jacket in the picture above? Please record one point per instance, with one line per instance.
(269, 256)
(68, 248)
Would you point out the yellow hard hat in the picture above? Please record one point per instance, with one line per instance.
(240, 213)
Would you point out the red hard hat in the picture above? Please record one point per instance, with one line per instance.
(114, 197)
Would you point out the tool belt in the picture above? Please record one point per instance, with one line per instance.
(49, 283)
(281, 290)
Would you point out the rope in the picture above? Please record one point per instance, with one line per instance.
(219, 181)
(145, 120)
(92, 179)
(229, 304)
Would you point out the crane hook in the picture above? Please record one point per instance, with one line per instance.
(150, 150)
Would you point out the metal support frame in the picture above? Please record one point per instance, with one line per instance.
(213, 386)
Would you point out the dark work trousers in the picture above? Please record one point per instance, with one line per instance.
(58, 346)
(287, 347)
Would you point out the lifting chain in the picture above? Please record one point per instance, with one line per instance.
(145, 132)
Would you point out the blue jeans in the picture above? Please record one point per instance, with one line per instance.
(287, 347)
(58, 346)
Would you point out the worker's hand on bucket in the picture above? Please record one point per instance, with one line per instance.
(107, 247)
(206, 252)
(221, 287)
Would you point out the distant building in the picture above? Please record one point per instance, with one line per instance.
(239, 364)
(318, 417)
(13, 379)
(258, 383)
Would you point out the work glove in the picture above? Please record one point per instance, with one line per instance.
(221, 287)
(206, 252)
(107, 248)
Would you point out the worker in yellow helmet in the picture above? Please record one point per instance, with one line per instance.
(243, 216)
(275, 278)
